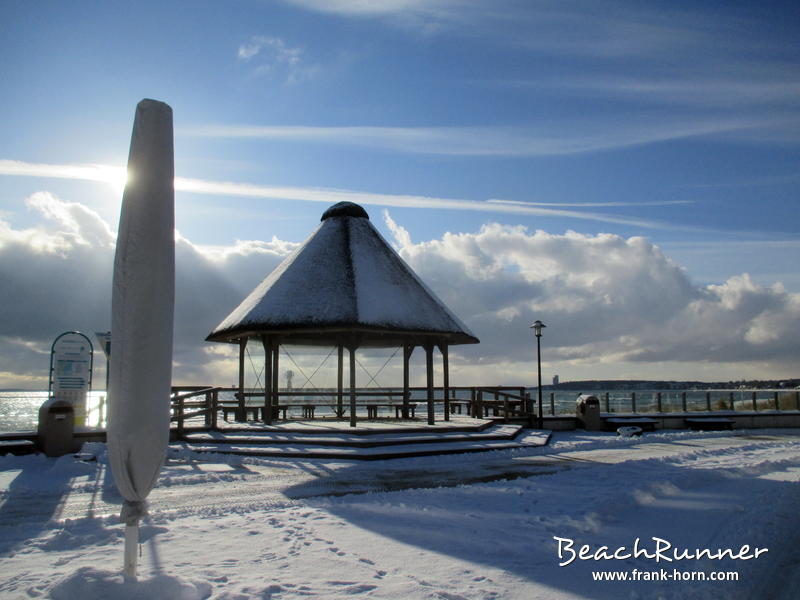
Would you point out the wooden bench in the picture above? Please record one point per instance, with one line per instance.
(276, 410)
(308, 411)
(249, 411)
(709, 423)
(255, 412)
(456, 407)
(398, 410)
(372, 409)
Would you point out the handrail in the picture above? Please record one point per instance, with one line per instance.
(480, 398)
(499, 392)
(188, 415)
(199, 392)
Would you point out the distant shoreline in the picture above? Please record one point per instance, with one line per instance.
(610, 384)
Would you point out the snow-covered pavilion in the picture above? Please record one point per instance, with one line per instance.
(345, 286)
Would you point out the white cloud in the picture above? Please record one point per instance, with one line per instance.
(610, 303)
(329, 196)
(275, 48)
(739, 88)
(83, 225)
(77, 226)
(605, 299)
(444, 9)
(578, 135)
(86, 172)
(272, 56)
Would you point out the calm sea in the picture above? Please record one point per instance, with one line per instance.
(19, 410)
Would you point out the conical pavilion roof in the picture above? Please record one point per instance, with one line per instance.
(344, 283)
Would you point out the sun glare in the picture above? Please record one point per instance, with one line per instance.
(116, 177)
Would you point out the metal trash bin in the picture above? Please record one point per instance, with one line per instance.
(587, 410)
(57, 427)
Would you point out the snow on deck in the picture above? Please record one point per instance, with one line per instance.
(459, 526)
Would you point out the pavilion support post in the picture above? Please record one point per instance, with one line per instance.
(276, 400)
(340, 384)
(429, 369)
(267, 413)
(352, 350)
(445, 379)
(240, 416)
(407, 351)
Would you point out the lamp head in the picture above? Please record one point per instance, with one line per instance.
(537, 327)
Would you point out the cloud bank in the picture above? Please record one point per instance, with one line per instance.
(608, 301)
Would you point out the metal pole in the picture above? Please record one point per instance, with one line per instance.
(407, 350)
(131, 544)
(539, 364)
(352, 350)
(340, 384)
(443, 348)
(242, 349)
(429, 369)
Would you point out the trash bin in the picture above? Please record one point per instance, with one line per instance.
(57, 427)
(587, 409)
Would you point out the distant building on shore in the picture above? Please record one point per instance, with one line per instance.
(555, 380)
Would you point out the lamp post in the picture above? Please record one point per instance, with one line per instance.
(537, 329)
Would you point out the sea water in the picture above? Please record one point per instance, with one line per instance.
(19, 410)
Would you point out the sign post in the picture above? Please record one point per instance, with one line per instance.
(104, 337)
(71, 362)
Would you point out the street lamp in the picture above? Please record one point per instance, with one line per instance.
(537, 329)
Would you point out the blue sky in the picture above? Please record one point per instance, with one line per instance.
(673, 121)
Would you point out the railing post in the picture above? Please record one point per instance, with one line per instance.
(529, 409)
(553, 404)
(730, 395)
(633, 402)
(479, 405)
(506, 408)
(797, 400)
(708, 401)
(472, 408)
(180, 416)
(608, 410)
(658, 402)
(214, 409)
(755, 404)
(444, 350)
(683, 402)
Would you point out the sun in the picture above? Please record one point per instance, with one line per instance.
(116, 177)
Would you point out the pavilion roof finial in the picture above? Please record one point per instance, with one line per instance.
(345, 209)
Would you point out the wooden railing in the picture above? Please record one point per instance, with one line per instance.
(208, 408)
(502, 403)
(191, 402)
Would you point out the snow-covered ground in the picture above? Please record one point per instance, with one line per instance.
(476, 526)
